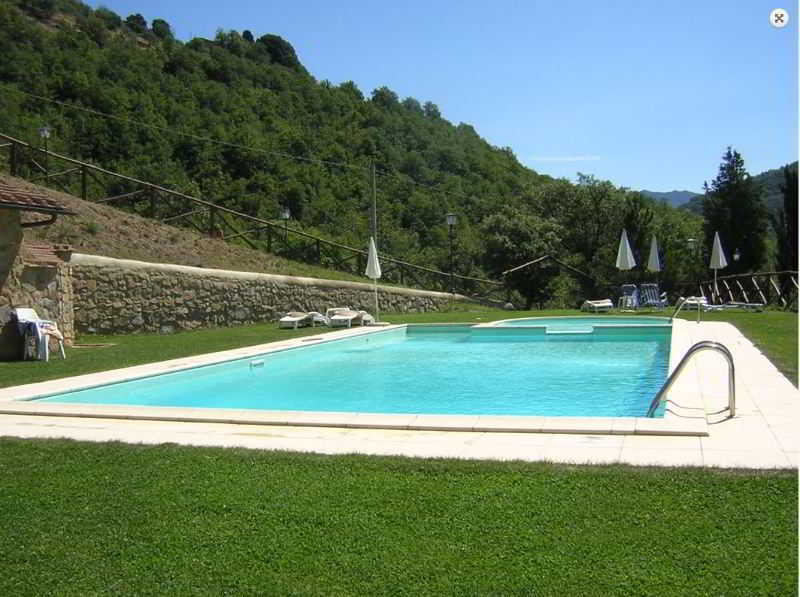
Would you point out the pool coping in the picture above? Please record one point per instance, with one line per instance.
(684, 416)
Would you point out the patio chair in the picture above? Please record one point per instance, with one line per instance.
(651, 297)
(629, 301)
(31, 325)
(597, 306)
(296, 319)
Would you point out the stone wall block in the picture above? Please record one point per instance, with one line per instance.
(123, 297)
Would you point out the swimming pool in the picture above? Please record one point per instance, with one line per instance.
(588, 323)
(491, 370)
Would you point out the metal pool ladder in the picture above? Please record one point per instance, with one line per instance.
(680, 305)
(704, 345)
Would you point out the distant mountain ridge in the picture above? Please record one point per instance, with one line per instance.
(673, 198)
(770, 182)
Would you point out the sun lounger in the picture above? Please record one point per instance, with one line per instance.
(597, 306)
(700, 302)
(346, 317)
(30, 324)
(298, 319)
(650, 297)
(697, 302)
(744, 306)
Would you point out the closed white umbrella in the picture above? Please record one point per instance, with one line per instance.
(625, 258)
(718, 260)
(373, 271)
(653, 262)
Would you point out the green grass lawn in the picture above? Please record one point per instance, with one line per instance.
(113, 519)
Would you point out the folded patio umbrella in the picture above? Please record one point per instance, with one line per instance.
(625, 260)
(653, 262)
(373, 271)
(718, 260)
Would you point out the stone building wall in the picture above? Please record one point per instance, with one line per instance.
(47, 288)
(121, 296)
(10, 242)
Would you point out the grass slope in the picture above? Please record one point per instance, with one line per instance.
(112, 519)
(99, 229)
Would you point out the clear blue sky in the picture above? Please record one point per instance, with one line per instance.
(645, 93)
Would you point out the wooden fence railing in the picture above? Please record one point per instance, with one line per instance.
(90, 183)
(779, 289)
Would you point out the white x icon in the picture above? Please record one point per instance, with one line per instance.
(779, 17)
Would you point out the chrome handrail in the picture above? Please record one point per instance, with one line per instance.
(680, 305)
(704, 345)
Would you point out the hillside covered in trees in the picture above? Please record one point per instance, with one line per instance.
(239, 121)
(769, 182)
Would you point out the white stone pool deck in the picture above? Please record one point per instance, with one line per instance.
(695, 431)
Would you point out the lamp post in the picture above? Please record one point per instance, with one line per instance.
(451, 220)
(285, 215)
(44, 133)
(694, 249)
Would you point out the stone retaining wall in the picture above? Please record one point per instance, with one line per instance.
(121, 296)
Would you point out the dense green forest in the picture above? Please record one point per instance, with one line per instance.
(239, 121)
(770, 183)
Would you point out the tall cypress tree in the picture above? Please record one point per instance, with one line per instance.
(733, 207)
(785, 221)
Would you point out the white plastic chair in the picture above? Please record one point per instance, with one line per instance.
(28, 319)
(629, 301)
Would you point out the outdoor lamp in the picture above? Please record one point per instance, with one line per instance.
(44, 133)
(285, 216)
(451, 220)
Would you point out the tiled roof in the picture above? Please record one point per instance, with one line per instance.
(39, 254)
(17, 197)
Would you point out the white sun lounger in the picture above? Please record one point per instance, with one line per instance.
(347, 317)
(740, 305)
(696, 302)
(597, 306)
(297, 319)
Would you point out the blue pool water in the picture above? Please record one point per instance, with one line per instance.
(426, 370)
(585, 323)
